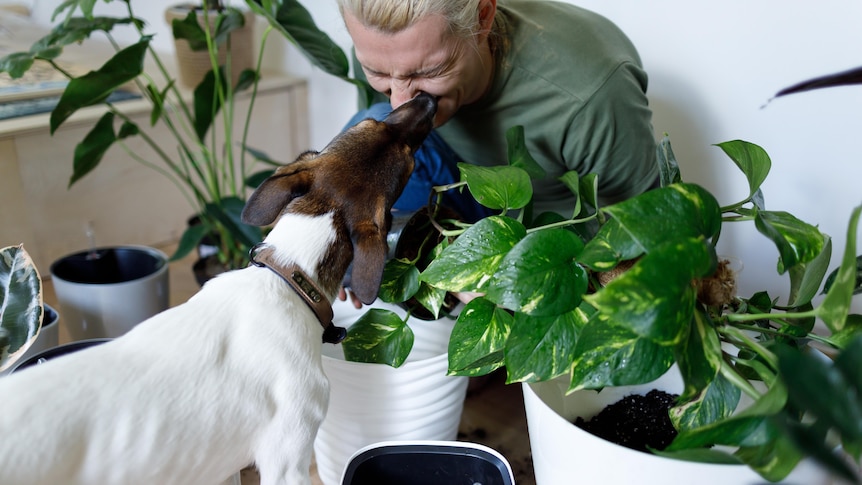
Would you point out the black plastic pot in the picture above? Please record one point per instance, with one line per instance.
(430, 463)
(59, 351)
(107, 265)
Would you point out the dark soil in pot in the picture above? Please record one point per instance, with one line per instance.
(636, 421)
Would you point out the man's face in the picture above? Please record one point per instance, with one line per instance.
(423, 57)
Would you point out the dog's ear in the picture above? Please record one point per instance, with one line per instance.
(369, 255)
(272, 196)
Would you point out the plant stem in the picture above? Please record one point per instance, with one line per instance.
(775, 317)
(247, 125)
(737, 380)
(746, 341)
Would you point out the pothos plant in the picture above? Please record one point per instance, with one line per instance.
(212, 172)
(616, 295)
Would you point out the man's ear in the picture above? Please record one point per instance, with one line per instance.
(272, 196)
(487, 12)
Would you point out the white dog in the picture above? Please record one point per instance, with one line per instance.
(234, 375)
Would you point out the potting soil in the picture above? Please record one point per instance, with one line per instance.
(636, 421)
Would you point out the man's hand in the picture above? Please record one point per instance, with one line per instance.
(343, 293)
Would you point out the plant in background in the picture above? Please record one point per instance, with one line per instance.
(21, 306)
(616, 295)
(213, 173)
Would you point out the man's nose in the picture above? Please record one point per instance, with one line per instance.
(402, 91)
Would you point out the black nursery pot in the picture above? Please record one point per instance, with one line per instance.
(107, 265)
(59, 351)
(427, 463)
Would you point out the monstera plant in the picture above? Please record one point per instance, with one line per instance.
(616, 295)
(20, 304)
(213, 173)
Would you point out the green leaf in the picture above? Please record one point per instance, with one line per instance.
(519, 155)
(378, 337)
(89, 153)
(94, 87)
(751, 159)
(542, 348)
(261, 156)
(655, 298)
(294, 22)
(590, 190)
(798, 242)
(254, 180)
(86, 7)
(831, 278)
(190, 30)
(432, 299)
(849, 361)
(228, 212)
(472, 259)
(190, 239)
(821, 389)
(128, 129)
(478, 339)
(668, 167)
(805, 278)
(749, 427)
(743, 430)
(16, 64)
(836, 305)
(678, 211)
(400, 281)
(49, 47)
(610, 245)
(539, 276)
(207, 102)
(812, 441)
(707, 396)
(572, 180)
(610, 355)
(716, 401)
(20, 304)
(499, 187)
(773, 460)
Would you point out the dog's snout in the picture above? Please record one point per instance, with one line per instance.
(429, 101)
(415, 118)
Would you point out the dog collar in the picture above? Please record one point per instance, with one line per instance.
(261, 256)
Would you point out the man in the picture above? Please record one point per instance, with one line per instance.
(569, 76)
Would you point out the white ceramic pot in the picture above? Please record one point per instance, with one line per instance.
(105, 292)
(370, 403)
(564, 454)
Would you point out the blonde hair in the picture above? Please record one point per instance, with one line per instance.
(392, 16)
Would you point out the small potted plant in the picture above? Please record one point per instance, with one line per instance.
(624, 294)
(212, 171)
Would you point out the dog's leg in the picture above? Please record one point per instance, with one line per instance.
(284, 455)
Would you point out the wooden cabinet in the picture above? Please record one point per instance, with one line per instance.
(122, 201)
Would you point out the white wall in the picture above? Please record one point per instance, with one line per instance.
(712, 66)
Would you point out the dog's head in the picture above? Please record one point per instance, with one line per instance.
(357, 178)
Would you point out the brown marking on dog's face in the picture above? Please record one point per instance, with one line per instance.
(357, 177)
